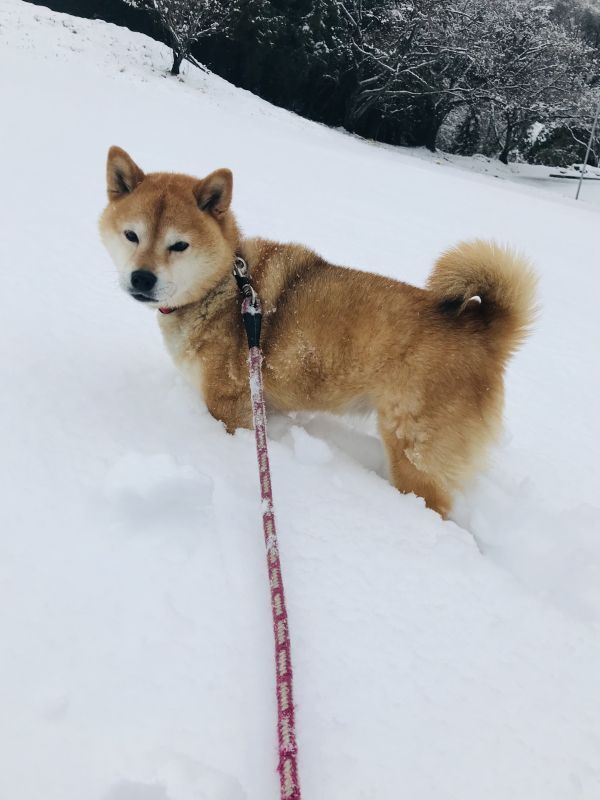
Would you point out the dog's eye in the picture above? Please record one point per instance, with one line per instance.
(131, 236)
(178, 247)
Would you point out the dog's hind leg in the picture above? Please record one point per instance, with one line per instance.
(407, 477)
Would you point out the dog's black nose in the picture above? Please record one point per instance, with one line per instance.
(143, 280)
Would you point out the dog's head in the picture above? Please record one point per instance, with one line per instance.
(172, 237)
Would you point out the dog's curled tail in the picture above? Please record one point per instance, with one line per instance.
(484, 281)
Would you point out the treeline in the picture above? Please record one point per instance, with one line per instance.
(512, 78)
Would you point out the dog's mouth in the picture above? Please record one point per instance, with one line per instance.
(143, 298)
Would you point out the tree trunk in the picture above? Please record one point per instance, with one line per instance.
(431, 135)
(508, 142)
(431, 122)
(177, 59)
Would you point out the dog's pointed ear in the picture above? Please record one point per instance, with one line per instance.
(213, 194)
(122, 173)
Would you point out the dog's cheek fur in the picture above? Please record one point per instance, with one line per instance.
(196, 271)
(120, 250)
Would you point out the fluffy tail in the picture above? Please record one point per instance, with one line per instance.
(487, 282)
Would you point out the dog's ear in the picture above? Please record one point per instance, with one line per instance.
(122, 173)
(213, 194)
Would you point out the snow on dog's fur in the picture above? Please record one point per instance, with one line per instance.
(429, 361)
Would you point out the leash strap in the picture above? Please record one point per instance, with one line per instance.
(286, 724)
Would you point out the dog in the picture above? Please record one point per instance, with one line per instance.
(430, 362)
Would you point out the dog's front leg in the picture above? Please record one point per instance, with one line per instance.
(234, 410)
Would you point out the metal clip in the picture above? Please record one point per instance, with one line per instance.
(251, 294)
(240, 268)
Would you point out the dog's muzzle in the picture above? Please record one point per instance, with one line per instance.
(142, 284)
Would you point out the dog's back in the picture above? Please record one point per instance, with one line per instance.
(429, 361)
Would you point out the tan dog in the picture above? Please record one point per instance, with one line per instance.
(429, 361)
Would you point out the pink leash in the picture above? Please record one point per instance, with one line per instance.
(286, 724)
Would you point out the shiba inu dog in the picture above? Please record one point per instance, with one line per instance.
(429, 361)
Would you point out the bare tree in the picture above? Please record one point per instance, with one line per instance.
(415, 58)
(539, 73)
(185, 22)
(420, 61)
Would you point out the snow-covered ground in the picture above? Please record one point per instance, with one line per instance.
(560, 181)
(434, 661)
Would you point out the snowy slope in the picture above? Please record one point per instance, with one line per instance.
(560, 181)
(434, 661)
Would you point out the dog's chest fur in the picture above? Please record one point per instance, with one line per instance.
(177, 340)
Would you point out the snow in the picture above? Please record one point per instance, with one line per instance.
(454, 660)
(559, 181)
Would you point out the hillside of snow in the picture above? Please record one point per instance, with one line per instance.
(433, 660)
